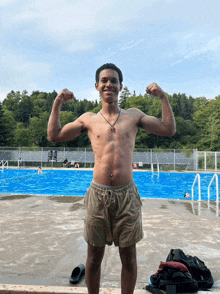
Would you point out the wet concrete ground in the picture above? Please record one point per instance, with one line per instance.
(42, 241)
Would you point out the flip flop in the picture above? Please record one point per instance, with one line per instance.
(77, 274)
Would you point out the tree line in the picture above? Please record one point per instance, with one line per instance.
(24, 118)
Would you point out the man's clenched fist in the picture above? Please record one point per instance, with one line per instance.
(65, 96)
(155, 90)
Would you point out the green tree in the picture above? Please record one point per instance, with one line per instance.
(38, 128)
(12, 100)
(22, 136)
(3, 128)
(97, 108)
(66, 117)
(208, 120)
(24, 109)
(125, 94)
(49, 101)
(10, 124)
(38, 100)
(136, 102)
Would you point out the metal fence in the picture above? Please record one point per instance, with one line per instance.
(208, 160)
(153, 159)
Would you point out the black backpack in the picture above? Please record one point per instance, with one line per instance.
(192, 277)
(197, 268)
(172, 279)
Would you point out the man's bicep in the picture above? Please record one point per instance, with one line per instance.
(151, 124)
(71, 130)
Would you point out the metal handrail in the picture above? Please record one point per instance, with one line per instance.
(199, 186)
(4, 162)
(215, 176)
(152, 169)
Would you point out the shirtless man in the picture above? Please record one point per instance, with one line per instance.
(113, 205)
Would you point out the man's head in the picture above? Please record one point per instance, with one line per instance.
(109, 66)
(109, 82)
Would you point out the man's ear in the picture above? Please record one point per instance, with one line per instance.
(96, 86)
(121, 87)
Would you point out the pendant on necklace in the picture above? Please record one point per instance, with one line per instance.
(112, 126)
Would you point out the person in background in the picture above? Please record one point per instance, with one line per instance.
(135, 166)
(20, 163)
(65, 163)
(76, 165)
(187, 195)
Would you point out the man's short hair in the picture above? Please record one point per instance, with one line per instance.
(109, 66)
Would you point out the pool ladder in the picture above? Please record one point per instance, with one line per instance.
(215, 177)
(197, 178)
(3, 163)
(152, 169)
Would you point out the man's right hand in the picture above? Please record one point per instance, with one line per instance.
(65, 96)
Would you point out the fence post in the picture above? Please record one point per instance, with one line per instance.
(41, 156)
(85, 157)
(215, 161)
(174, 163)
(195, 159)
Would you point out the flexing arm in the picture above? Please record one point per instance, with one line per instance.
(166, 127)
(70, 131)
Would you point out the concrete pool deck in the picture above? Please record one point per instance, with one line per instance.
(42, 241)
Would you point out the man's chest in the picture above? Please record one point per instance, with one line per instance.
(122, 132)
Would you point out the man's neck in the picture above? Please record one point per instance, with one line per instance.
(110, 108)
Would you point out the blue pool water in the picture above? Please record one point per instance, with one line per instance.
(76, 182)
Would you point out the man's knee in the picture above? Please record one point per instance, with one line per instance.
(94, 257)
(128, 257)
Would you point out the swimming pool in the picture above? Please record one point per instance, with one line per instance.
(75, 183)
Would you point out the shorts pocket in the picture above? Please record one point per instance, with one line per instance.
(137, 195)
(86, 197)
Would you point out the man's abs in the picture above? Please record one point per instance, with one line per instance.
(112, 176)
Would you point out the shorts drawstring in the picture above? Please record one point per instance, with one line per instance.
(110, 197)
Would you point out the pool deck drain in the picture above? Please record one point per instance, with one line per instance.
(42, 241)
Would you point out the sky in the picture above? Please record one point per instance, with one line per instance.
(51, 45)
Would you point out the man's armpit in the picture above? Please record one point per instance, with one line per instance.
(140, 125)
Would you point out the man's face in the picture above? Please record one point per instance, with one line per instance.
(108, 85)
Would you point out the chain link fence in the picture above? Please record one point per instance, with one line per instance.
(147, 159)
(208, 160)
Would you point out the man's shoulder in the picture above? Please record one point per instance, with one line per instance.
(133, 111)
(88, 118)
(87, 115)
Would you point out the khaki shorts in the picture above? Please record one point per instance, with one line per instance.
(113, 215)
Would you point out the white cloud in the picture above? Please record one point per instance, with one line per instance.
(79, 45)
(152, 33)
(20, 72)
(4, 3)
(90, 94)
(74, 22)
(211, 47)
